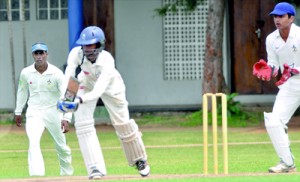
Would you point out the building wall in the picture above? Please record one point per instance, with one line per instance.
(139, 57)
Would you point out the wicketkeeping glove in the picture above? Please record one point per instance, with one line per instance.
(263, 71)
(287, 73)
(67, 106)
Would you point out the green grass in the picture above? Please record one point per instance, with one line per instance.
(193, 119)
(173, 145)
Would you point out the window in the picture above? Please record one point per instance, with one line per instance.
(184, 42)
(52, 9)
(16, 10)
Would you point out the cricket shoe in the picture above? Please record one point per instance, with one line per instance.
(143, 168)
(95, 175)
(282, 168)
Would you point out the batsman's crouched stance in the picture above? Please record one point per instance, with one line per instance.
(99, 78)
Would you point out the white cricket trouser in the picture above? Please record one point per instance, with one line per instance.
(286, 103)
(36, 121)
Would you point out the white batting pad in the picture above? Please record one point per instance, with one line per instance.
(90, 146)
(277, 133)
(132, 143)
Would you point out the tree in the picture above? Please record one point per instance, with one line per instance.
(190, 5)
(213, 78)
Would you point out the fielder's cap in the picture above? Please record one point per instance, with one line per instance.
(283, 8)
(39, 47)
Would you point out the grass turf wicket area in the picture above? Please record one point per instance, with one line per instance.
(172, 152)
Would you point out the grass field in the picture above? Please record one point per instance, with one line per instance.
(174, 153)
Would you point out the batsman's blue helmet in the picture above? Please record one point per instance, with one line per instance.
(91, 35)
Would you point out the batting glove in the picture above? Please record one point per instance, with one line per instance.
(67, 106)
(287, 73)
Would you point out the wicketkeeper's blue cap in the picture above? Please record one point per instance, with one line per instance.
(39, 47)
(283, 8)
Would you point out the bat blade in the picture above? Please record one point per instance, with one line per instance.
(72, 89)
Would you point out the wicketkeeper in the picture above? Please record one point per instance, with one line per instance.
(99, 78)
(283, 49)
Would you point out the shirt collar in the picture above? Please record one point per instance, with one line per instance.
(292, 33)
(49, 70)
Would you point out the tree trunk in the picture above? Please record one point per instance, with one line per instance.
(213, 78)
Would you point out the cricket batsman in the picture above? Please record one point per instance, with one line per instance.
(283, 52)
(99, 78)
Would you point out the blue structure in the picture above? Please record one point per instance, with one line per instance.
(75, 21)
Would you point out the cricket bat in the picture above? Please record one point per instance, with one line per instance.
(72, 89)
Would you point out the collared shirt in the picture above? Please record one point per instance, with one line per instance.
(98, 78)
(280, 52)
(40, 91)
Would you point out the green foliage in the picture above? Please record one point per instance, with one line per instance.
(236, 117)
(7, 122)
(250, 119)
(168, 119)
(233, 106)
(189, 5)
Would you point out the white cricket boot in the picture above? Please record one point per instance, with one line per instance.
(282, 168)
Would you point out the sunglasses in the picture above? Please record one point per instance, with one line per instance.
(39, 52)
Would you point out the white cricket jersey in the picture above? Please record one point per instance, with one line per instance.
(41, 90)
(97, 78)
(280, 52)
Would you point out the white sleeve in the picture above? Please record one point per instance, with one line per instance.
(100, 86)
(59, 80)
(67, 116)
(74, 60)
(22, 94)
(272, 57)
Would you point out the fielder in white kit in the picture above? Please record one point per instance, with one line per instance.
(40, 86)
(283, 49)
(99, 78)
